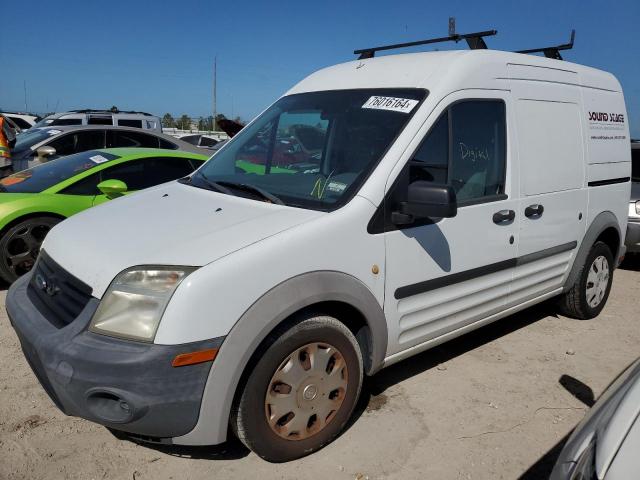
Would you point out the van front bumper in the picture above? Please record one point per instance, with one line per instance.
(124, 385)
(632, 240)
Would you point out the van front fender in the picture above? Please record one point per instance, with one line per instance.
(270, 310)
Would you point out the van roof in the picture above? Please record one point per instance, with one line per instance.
(454, 69)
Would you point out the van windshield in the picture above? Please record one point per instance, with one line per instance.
(311, 150)
(635, 165)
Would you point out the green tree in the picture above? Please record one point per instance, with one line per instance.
(114, 109)
(168, 121)
(185, 122)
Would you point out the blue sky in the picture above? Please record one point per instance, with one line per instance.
(157, 55)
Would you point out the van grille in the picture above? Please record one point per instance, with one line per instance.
(58, 295)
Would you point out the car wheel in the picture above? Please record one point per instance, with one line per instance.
(301, 392)
(588, 295)
(20, 245)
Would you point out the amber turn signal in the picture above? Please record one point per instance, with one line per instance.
(193, 358)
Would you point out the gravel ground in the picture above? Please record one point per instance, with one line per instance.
(495, 404)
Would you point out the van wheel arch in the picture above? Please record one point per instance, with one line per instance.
(604, 228)
(345, 313)
(329, 293)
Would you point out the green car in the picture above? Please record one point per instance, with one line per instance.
(33, 201)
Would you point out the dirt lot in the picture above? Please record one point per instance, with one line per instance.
(497, 403)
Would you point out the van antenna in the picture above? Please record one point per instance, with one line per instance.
(553, 52)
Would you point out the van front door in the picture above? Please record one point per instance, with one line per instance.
(443, 275)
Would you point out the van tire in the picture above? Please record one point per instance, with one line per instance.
(309, 339)
(575, 303)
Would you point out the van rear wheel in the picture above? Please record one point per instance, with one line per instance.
(588, 295)
(301, 392)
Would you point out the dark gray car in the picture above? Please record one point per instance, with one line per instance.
(38, 145)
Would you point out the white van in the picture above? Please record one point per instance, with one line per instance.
(379, 208)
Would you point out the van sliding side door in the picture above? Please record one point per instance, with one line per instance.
(553, 198)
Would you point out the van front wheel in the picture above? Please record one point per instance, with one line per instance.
(588, 295)
(301, 392)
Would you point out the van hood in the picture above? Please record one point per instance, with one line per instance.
(173, 224)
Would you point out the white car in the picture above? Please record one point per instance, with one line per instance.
(379, 208)
(605, 445)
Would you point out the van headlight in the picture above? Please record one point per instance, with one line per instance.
(133, 304)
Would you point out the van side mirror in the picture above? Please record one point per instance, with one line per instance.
(112, 188)
(426, 200)
(44, 152)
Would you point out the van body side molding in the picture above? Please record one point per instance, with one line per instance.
(609, 181)
(428, 285)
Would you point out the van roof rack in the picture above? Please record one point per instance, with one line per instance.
(553, 52)
(474, 40)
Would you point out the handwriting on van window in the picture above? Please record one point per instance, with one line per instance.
(473, 153)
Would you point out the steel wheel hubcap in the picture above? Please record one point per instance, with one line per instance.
(597, 281)
(306, 391)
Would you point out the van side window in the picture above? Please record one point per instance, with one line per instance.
(465, 149)
(431, 162)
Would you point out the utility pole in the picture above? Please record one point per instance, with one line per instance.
(26, 109)
(215, 74)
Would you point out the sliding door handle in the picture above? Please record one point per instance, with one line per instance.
(534, 211)
(504, 217)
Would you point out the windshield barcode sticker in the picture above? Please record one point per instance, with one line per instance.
(98, 159)
(394, 104)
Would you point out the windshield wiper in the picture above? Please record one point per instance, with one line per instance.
(215, 186)
(248, 187)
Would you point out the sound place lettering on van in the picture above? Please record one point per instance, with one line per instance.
(606, 117)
